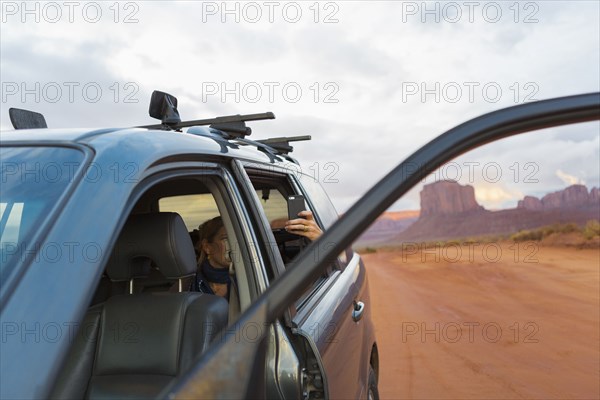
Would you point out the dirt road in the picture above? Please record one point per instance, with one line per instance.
(495, 322)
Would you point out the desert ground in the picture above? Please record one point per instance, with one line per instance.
(495, 321)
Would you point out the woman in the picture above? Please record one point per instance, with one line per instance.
(212, 275)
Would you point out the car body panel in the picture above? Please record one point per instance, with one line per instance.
(338, 337)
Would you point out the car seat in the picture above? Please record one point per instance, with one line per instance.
(133, 345)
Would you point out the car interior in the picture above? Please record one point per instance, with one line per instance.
(132, 345)
(273, 196)
(144, 324)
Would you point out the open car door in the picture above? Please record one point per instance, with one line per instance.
(234, 367)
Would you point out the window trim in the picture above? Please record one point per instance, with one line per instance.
(225, 187)
(318, 289)
(266, 244)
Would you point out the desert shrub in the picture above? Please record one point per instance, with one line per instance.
(525, 236)
(519, 236)
(545, 231)
(568, 228)
(549, 230)
(558, 228)
(367, 250)
(591, 229)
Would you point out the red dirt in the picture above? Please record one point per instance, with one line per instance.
(438, 315)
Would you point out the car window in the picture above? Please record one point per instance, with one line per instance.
(274, 205)
(198, 198)
(193, 208)
(324, 209)
(272, 192)
(33, 179)
(321, 202)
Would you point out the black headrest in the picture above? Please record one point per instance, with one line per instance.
(161, 238)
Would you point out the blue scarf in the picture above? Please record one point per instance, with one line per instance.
(215, 275)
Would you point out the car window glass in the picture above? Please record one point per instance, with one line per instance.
(321, 202)
(275, 206)
(33, 179)
(324, 209)
(193, 208)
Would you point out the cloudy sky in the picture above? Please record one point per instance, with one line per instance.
(369, 81)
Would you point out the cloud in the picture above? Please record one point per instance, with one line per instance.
(569, 179)
(372, 50)
(494, 197)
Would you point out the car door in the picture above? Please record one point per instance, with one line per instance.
(290, 349)
(316, 258)
(332, 314)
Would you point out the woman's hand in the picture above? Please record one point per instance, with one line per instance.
(305, 226)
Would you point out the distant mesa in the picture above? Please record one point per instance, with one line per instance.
(388, 225)
(449, 210)
(448, 197)
(573, 196)
(531, 203)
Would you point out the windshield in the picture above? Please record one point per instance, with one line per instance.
(32, 180)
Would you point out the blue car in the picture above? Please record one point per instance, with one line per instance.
(101, 295)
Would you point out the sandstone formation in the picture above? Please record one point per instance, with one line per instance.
(450, 211)
(595, 195)
(572, 197)
(447, 198)
(531, 203)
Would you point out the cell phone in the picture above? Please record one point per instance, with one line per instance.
(295, 205)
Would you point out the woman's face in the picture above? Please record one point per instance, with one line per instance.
(217, 250)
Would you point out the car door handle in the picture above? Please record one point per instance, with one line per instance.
(357, 313)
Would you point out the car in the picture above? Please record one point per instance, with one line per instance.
(102, 230)
(297, 354)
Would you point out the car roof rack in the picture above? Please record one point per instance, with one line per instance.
(163, 106)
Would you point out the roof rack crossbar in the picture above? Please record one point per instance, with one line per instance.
(282, 144)
(272, 152)
(218, 120)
